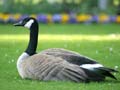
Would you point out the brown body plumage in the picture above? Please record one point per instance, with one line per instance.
(47, 67)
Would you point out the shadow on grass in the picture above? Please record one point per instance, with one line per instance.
(69, 82)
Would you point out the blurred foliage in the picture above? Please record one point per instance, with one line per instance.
(56, 6)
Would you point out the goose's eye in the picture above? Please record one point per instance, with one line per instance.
(23, 22)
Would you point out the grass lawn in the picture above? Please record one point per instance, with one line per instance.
(100, 42)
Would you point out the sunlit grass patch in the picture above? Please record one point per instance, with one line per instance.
(76, 37)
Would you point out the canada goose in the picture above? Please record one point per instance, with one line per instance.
(57, 64)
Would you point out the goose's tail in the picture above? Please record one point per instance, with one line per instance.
(97, 72)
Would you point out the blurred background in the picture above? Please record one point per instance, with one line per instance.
(61, 11)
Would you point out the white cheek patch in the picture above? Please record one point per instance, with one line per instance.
(29, 23)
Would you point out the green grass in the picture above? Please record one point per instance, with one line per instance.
(100, 42)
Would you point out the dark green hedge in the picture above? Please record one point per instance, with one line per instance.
(85, 6)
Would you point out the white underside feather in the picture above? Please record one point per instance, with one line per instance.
(91, 66)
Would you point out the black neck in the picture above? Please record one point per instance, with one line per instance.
(32, 46)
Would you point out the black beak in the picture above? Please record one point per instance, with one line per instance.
(18, 24)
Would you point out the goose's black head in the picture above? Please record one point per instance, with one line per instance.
(29, 22)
